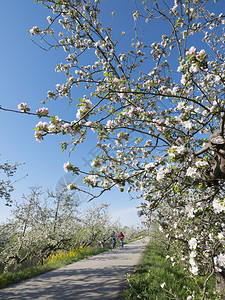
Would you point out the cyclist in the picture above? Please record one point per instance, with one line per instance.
(121, 237)
(113, 239)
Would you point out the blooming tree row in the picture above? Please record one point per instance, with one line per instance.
(44, 223)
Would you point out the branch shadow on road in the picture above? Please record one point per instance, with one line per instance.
(89, 284)
(98, 277)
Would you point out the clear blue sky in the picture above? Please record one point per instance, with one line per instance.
(27, 73)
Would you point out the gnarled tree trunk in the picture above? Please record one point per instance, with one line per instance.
(220, 283)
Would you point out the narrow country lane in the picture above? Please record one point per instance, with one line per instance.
(101, 277)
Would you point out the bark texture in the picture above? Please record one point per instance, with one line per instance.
(220, 283)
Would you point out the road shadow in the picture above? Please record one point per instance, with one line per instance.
(100, 277)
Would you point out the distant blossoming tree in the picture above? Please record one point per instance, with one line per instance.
(6, 185)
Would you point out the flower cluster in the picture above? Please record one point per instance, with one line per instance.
(35, 30)
(67, 167)
(194, 63)
(178, 152)
(42, 112)
(84, 109)
(41, 130)
(218, 205)
(162, 172)
(23, 107)
(91, 180)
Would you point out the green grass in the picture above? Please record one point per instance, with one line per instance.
(154, 270)
(9, 278)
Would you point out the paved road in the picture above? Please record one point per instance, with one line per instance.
(101, 277)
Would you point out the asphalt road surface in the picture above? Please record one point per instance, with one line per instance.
(100, 277)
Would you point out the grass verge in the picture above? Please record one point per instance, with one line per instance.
(10, 278)
(154, 270)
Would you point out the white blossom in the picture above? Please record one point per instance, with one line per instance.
(218, 206)
(192, 243)
(187, 125)
(149, 166)
(192, 172)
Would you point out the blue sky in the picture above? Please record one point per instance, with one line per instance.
(27, 73)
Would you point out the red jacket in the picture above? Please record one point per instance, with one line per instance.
(121, 236)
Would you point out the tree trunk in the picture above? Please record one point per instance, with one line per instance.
(220, 283)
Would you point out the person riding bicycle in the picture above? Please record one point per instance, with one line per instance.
(113, 239)
(121, 237)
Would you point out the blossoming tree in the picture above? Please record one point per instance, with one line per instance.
(44, 223)
(157, 109)
(6, 185)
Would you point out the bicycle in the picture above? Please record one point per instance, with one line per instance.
(121, 244)
(113, 243)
